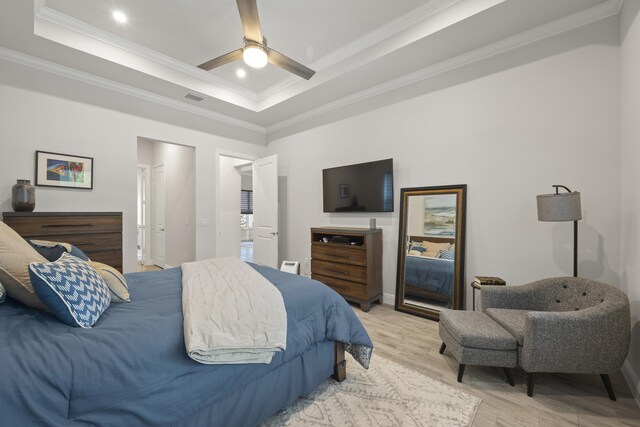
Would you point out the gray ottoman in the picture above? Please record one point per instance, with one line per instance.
(475, 339)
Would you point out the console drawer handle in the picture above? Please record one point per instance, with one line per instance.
(339, 256)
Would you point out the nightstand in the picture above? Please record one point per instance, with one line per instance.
(481, 281)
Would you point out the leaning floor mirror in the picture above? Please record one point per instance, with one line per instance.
(431, 250)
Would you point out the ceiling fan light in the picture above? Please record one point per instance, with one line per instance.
(119, 16)
(254, 56)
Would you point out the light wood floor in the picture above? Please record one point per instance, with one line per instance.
(142, 268)
(558, 400)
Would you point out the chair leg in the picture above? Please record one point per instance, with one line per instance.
(607, 384)
(509, 377)
(530, 384)
(460, 372)
(442, 347)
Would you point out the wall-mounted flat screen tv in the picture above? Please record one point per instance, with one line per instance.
(365, 187)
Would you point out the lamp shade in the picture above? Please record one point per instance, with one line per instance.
(559, 207)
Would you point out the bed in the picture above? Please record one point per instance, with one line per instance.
(427, 277)
(131, 368)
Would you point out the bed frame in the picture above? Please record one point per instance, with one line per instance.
(434, 239)
(339, 362)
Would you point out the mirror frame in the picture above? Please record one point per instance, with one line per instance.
(458, 285)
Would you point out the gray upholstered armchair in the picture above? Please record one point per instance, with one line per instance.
(566, 324)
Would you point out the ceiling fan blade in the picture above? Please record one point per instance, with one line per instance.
(221, 60)
(282, 61)
(250, 22)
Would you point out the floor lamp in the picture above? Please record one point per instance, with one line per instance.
(562, 207)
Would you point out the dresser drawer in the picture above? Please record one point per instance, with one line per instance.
(343, 287)
(59, 225)
(341, 271)
(87, 242)
(347, 255)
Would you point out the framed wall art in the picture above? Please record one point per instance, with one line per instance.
(64, 170)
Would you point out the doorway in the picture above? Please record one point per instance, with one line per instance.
(143, 214)
(246, 211)
(166, 204)
(247, 203)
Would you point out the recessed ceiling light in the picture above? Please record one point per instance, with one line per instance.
(241, 73)
(119, 16)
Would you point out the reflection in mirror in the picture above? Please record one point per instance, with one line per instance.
(431, 249)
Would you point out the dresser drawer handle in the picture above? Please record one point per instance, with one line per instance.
(333, 270)
(66, 225)
(339, 287)
(339, 256)
(85, 244)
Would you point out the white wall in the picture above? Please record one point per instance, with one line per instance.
(32, 121)
(630, 137)
(246, 182)
(509, 135)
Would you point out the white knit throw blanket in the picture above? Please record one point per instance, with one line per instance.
(232, 314)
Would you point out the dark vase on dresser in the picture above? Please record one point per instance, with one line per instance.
(23, 196)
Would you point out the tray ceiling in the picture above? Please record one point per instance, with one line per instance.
(359, 48)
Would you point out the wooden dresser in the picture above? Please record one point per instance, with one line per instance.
(98, 234)
(353, 268)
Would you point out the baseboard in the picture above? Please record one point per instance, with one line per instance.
(632, 379)
(389, 299)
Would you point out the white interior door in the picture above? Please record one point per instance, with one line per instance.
(158, 214)
(265, 211)
(140, 216)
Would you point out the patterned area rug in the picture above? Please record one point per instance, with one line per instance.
(385, 395)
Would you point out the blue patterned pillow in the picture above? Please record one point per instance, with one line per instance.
(52, 251)
(3, 293)
(450, 255)
(73, 291)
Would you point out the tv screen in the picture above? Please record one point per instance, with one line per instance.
(365, 187)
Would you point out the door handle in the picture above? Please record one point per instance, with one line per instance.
(162, 229)
(274, 233)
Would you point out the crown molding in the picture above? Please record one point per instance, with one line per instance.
(49, 23)
(568, 23)
(365, 42)
(61, 28)
(60, 70)
(434, 16)
(601, 11)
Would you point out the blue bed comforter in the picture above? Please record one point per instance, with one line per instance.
(432, 274)
(131, 368)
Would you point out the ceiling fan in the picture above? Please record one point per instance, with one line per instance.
(255, 51)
